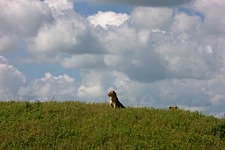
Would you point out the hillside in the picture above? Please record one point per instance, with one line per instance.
(76, 125)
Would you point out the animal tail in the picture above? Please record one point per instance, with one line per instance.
(121, 105)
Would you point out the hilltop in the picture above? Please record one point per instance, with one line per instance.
(77, 125)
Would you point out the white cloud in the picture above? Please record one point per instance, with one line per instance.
(212, 11)
(8, 42)
(185, 92)
(91, 86)
(50, 87)
(187, 58)
(109, 18)
(20, 20)
(184, 23)
(83, 61)
(11, 80)
(28, 15)
(143, 36)
(151, 18)
(69, 34)
(60, 7)
(63, 35)
(120, 41)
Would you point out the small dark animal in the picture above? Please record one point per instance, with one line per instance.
(173, 107)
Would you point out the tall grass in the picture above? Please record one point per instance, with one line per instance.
(76, 125)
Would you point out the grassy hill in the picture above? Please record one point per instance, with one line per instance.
(75, 125)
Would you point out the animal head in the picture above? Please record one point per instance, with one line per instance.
(112, 94)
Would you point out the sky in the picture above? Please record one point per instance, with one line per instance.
(152, 53)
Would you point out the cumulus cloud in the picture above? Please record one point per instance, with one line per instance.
(212, 11)
(83, 61)
(20, 20)
(96, 84)
(11, 80)
(141, 2)
(92, 86)
(50, 87)
(150, 18)
(109, 18)
(186, 23)
(60, 7)
(69, 33)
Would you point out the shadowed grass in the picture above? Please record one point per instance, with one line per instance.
(76, 125)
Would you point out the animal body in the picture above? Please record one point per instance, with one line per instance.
(173, 107)
(114, 101)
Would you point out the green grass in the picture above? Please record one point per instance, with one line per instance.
(75, 125)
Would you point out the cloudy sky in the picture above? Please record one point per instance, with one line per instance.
(152, 53)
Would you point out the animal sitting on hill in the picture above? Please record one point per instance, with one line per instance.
(114, 101)
(173, 107)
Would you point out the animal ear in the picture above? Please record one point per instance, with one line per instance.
(114, 92)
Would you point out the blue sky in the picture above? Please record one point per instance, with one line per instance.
(86, 9)
(152, 53)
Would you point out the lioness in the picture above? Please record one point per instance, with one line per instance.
(114, 101)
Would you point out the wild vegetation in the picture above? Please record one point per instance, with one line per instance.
(77, 125)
